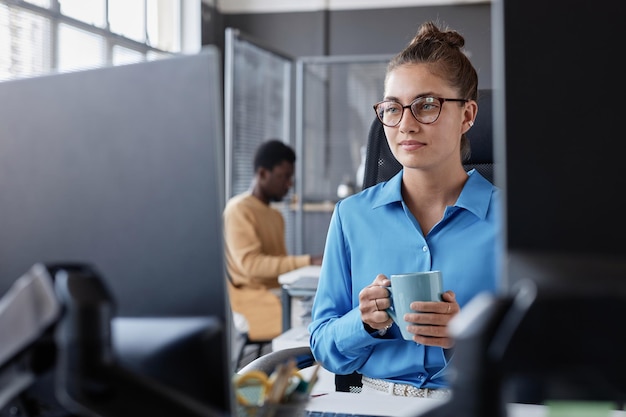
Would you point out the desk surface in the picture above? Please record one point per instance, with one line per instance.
(290, 277)
(294, 337)
(392, 406)
(384, 405)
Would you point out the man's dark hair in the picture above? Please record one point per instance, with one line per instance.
(271, 153)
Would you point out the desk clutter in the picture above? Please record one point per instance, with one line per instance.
(283, 393)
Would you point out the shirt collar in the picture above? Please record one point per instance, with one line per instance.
(475, 196)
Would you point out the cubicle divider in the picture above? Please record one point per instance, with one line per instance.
(319, 105)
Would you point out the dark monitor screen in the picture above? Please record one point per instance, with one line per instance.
(558, 116)
(122, 168)
(559, 109)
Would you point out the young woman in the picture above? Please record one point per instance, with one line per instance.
(431, 216)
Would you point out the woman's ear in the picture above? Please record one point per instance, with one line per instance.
(469, 115)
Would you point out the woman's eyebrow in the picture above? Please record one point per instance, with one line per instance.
(425, 94)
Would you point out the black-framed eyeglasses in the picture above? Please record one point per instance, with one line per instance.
(425, 109)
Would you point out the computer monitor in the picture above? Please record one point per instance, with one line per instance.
(121, 169)
(558, 123)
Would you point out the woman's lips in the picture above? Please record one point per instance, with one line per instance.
(411, 145)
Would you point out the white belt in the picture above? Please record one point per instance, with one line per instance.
(405, 390)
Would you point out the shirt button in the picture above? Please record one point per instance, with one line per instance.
(424, 248)
(420, 377)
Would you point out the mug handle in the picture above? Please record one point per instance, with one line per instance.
(391, 311)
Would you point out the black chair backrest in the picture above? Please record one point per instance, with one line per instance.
(481, 137)
(381, 165)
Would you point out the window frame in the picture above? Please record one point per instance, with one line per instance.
(54, 17)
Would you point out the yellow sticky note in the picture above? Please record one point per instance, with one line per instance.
(579, 408)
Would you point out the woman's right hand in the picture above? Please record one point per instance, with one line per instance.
(373, 301)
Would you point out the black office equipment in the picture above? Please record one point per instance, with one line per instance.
(121, 169)
(92, 377)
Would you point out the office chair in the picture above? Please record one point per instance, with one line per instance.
(268, 362)
(381, 165)
(259, 346)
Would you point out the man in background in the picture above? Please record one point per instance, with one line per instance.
(256, 252)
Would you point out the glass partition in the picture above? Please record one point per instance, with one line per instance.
(322, 106)
(334, 114)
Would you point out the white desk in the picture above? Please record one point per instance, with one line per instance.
(290, 277)
(301, 282)
(294, 337)
(392, 406)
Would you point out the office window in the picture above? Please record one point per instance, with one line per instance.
(41, 3)
(163, 24)
(127, 18)
(24, 43)
(79, 49)
(92, 12)
(40, 36)
(123, 55)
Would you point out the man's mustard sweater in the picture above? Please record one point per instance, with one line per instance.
(256, 255)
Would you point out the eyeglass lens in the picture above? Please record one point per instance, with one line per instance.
(424, 109)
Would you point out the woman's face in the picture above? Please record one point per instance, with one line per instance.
(426, 146)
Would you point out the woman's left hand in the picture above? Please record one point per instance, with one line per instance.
(432, 318)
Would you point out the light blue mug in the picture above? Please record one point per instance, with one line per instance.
(406, 288)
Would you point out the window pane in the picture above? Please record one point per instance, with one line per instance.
(88, 11)
(24, 43)
(79, 49)
(126, 17)
(163, 21)
(153, 56)
(122, 56)
(40, 3)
